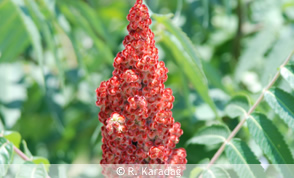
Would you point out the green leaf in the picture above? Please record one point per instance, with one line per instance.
(282, 103)
(13, 34)
(31, 170)
(237, 106)
(253, 54)
(184, 54)
(244, 161)
(42, 160)
(195, 172)
(215, 172)
(210, 135)
(288, 74)
(6, 151)
(13, 137)
(271, 141)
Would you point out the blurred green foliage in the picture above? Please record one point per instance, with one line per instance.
(55, 53)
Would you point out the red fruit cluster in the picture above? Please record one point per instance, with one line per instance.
(138, 127)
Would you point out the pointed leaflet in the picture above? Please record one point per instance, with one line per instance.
(183, 50)
(244, 161)
(42, 160)
(31, 170)
(195, 172)
(237, 106)
(210, 135)
(215, 172)
(271, 141)
(288, 74)
(13, 137)
(14, 37)
(282, 103)
(6, 150)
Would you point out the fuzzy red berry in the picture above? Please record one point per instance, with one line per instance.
(138, 126)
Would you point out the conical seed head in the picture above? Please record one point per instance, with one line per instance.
(135, 100)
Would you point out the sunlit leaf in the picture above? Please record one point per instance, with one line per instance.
(243, 160)
(13, 137)
(282, 103)
(210, 135)
(196, 172)
(271, 141)
(237, 106)
(42, 160)
(288, 74)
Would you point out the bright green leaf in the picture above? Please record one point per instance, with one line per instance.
(271, 141)
(31, 170)
(195, 172)
(42, 160)
(244, 161)
(288, 74)
(282, 103)
(13, 137)
(237, 106)
(215, 172)
(6, 151)
(210, 135)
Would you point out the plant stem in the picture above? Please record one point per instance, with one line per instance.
(21, 154)
(238, 127)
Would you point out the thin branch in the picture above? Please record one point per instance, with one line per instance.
(238, 127)
(21, 154)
